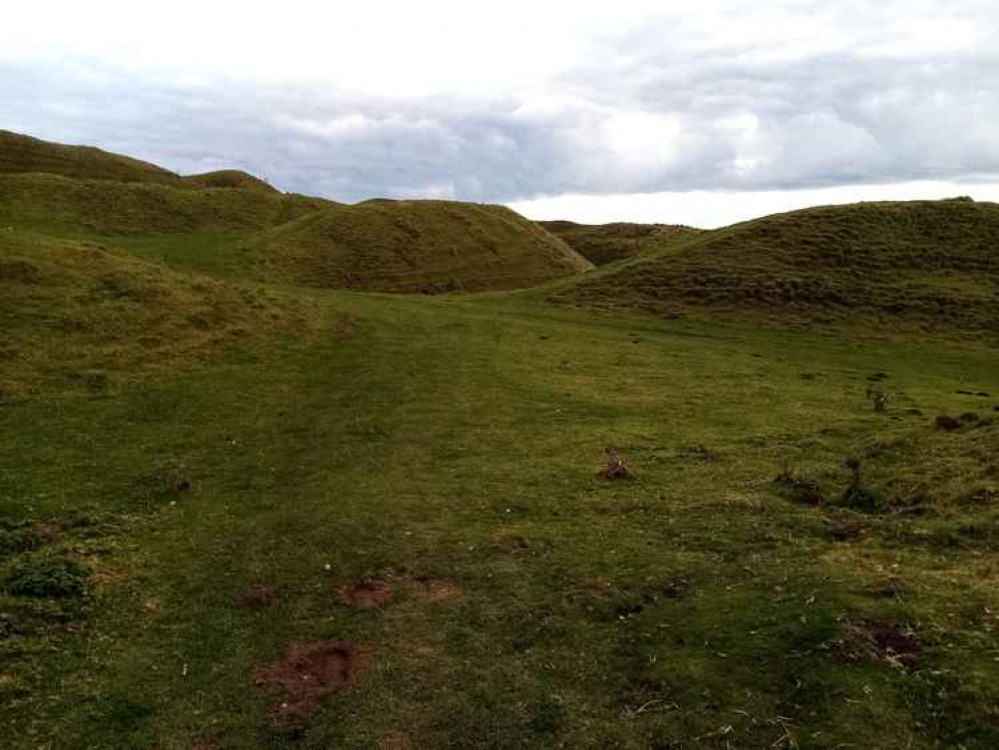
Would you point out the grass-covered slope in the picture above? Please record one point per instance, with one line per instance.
(105, 207)
(22, 153)
(603, 243)
(416, 246)
(229, 178)
(921, 266)
(73, 314)
(416, 491)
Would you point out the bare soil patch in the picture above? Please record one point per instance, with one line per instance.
(258, 597)
(308, 671)
(345, 326)
(878, 639)
(438, 589)
(366, 594)
(509, 542)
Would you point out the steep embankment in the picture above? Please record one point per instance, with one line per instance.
(604, 243)
(920, 266)
(416, 246)
(107, 207)
(75, 313)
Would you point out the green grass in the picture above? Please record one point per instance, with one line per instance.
(22, 153)
(58, 204)
(604, 243)
(175, 436)
(458, 441)
(922, 268)
(415, 247)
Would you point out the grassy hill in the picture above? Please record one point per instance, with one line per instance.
(604, 243)
(76, 315)
(106, 207)
(279, 515)
(22, 153)
(415, 246)
(229, 178)
(921, 266)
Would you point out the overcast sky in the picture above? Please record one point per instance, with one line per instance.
(701, 112)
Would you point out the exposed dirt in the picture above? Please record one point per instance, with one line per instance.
(507, 541)
(437, 589)
(47, 532)
(395, 741)
(258, 597)
(846, 529)
(308, 671)
(345, 326)
(370, 594)
(211, 740)
(878, 639)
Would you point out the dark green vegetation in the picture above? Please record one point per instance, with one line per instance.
(921, 267)
(211, 489)
(603, 243)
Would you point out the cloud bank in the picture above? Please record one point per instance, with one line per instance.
(525, 105)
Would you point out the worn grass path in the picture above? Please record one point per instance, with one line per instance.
(449, 449)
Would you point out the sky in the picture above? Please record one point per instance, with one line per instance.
(700, 113)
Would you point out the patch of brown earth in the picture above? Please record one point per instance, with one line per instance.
(366, 594)
(258, 597)
(345, 326)
(210, 741)
(846, 529)
(509, 542)
(438, 590)
(395, 741)
(878, 639)
(308, 671)
(47, 532)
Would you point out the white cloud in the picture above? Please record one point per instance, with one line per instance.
(713, 209)
(715, 104)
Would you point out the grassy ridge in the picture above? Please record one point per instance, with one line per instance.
(105, 207)
(22, 153)
(415, 246)
(76, 315)
(229, 178)
(921, 267)
(604, 243)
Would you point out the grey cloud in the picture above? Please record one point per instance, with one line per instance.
(652, 120)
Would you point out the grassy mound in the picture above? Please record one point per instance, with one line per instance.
(416, 246)
(919, 266)
(22, 153)
(76, 314)
(603, 243)
(229, 178)
(56, 203)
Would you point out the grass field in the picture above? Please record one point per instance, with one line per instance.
(443, 454)
(240, 513)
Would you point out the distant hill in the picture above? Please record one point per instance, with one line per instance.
(75, 313)
(229, 178)
(919, 266)
(110, 208)
(22, 153)
(416, 246)
(604, 243)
